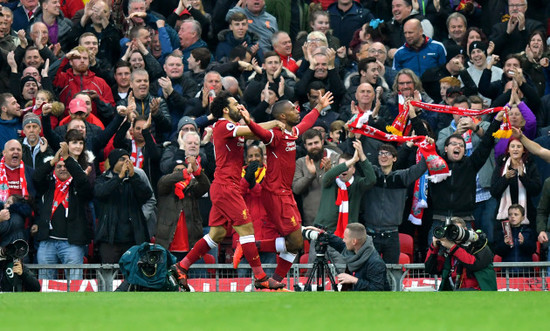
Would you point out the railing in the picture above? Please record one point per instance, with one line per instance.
(520, 276)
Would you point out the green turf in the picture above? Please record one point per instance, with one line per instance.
(275, 311)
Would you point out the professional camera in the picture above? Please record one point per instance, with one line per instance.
(17, 250)
(321, 238)
(457, 234)
(150, 260)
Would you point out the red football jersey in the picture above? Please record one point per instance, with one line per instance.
(229, 151)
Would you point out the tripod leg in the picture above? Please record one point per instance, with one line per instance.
(307, 286)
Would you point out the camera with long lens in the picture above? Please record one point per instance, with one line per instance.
(321, 238)
(15, 251)
(457, 234)
(150, 260)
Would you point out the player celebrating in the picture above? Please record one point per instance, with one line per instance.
(277, 188)
(228, 205)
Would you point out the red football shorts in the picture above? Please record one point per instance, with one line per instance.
(282, 212)
(228, 206)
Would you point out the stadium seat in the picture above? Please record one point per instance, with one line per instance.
(406, 244)
(404, 259)
(209, 259)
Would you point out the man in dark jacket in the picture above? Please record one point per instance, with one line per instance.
(367, 271)
(63, 228)
(179, 224)
(120, 195)
(456, 195)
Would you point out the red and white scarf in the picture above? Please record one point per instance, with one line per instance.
(61, 194)
(137, 155)
(437, 167)
(4, 186)
(342, 200)
(505, 130)
(401, 125)
(420, 196)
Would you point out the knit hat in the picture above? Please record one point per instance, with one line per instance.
(115, 155)
(26, 79)
(186, 120)
(453, 51)
(454, 90)
(31, 118)
(478, 45)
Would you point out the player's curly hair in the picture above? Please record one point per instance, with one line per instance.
(219, 103)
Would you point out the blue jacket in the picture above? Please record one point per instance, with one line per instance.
(431, 54)
(8, 130)
(227, 42)
(344, 25)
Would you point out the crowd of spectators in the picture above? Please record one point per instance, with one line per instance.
(106, 129)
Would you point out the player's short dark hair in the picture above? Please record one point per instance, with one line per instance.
(312, 133)
(388, 148)
(363, 64)
(279, 107)
(219, 103)
(202, 54)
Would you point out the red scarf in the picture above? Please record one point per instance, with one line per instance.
(401, 125)
(420, 196)
(437, 167)
(4, 186)
(180, 186)
(505, 130)
(342, 200)
(60, 195)
(137, 155)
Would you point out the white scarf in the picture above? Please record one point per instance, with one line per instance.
(506, 199)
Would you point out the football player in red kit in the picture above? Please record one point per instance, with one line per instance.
(277, 188)
(228, 206)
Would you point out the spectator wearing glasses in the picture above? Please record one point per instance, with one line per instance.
(512, 36)
(456, 196)
(387, 197)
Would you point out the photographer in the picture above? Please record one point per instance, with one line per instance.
(465, 263)
(14, 276)
(367, 271)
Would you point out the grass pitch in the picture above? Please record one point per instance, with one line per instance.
(275, 311)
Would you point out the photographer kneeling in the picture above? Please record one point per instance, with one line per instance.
(367, 270)
(462, 257)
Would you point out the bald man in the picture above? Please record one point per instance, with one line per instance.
(419, 53)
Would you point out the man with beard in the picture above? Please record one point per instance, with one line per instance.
(29, 89)
(79, 77)
(310, 169)
(228, 206)
(277, 187)
(35, 149)
(10, 122)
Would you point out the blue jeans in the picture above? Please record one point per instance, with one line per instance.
(53, 251)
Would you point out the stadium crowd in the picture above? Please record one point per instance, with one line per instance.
(108, 112)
